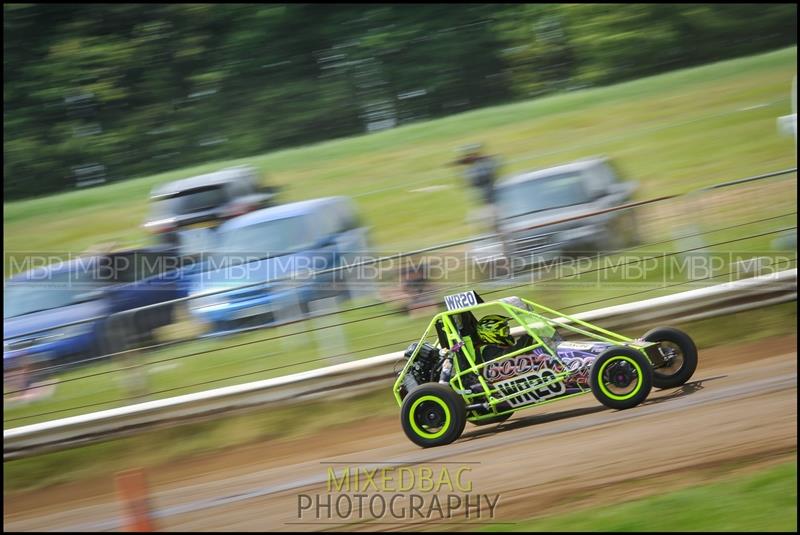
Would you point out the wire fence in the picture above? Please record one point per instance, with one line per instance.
(427, 293)
(435, 291)
(417, 252)
(786, 264)
(328, 357)
(135, 347)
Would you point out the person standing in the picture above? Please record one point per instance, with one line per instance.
(481, 173)
(481, 170)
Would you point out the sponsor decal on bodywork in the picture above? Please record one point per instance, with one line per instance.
(530, 383)
(579, 346)
(575, 357)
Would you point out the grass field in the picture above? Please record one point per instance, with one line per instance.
(673, 133)
(759, 502)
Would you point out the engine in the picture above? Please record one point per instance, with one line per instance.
(425, 367)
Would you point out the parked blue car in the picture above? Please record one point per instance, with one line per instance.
(273, 252)
(86, 288)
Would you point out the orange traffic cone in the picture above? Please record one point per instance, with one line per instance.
(132, 492)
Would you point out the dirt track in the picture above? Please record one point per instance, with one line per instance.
(738, 412)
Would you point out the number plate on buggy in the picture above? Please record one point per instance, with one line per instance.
(461, 300)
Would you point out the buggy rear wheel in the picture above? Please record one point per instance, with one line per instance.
(433, 414)
(680, 355)
(621, 377)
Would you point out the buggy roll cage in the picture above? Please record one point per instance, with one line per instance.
(458, 328)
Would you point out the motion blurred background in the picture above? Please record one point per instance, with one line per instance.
(118, 92)
(106, 103)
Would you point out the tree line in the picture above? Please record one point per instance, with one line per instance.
(103, 92)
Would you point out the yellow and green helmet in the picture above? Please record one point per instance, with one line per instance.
(494, 329)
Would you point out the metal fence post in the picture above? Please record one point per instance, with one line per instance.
(125, 339)
(329, 335)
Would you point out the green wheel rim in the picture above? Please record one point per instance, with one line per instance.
(602, 383)
(421, 432)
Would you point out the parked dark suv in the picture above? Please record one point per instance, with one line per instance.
(205, 201)
(529, 206)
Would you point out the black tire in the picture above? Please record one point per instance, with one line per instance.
(496, 420)
(621, 366)
(684, 354)
(438, 404)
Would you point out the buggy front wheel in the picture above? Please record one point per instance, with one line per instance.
(433, 414)
(621, 377)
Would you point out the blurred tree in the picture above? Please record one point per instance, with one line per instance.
(134, 90)
(536, 48)
(613, 42)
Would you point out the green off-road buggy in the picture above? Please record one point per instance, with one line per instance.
(452, 375)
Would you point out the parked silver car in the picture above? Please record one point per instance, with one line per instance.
(205, 201)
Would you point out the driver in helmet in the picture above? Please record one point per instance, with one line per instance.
(495, 338)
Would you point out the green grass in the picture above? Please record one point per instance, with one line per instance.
(764, 501)
(673, 133)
